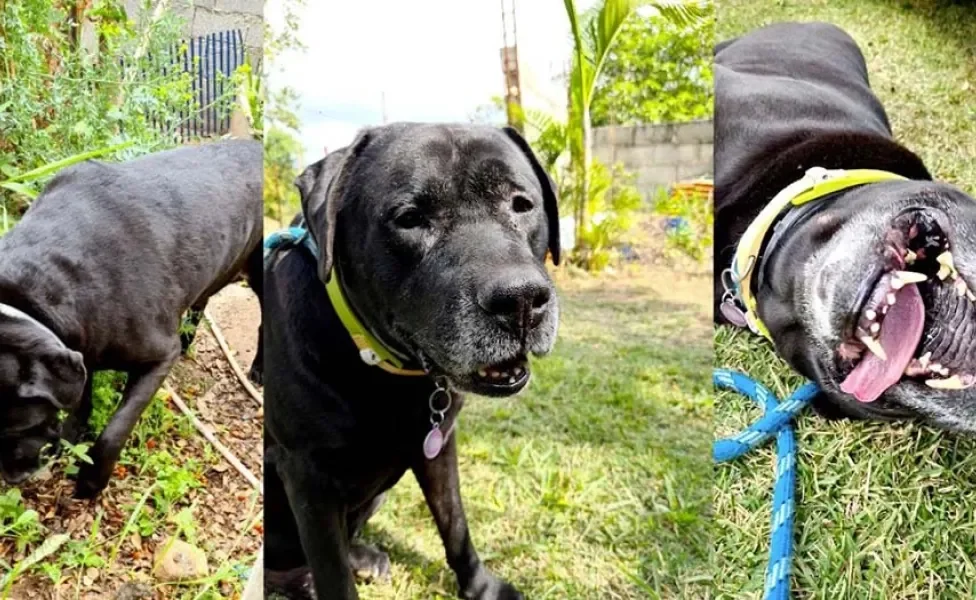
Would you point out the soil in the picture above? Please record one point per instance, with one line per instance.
(226, 508)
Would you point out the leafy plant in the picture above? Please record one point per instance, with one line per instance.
(613, 202)
(694, 217)
(594, 36)
(658, 71)
(59, 99)
(17, 521)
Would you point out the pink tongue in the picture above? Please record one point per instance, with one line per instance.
(901, 332)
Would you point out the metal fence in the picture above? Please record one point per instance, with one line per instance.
(210, 60)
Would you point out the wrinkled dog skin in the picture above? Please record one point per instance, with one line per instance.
(794, 96)
(97, 276)
(438, 235)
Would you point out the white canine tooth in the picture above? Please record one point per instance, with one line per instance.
(875, 327)
(875, 347)
(891, 298)
(925, 359)
(952, 383)
(897, 284)
(910, 277)
(871, 314)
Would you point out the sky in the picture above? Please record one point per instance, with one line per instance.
(431, 60)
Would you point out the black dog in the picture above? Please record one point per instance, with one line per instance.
(855, 288)
(437, 235)
(97, 276)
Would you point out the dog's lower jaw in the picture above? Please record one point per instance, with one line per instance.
(483, 585)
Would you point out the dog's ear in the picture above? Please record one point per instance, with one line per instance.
(549, 198)
(322, 186)
(56, 374)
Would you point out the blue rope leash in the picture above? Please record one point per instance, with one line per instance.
(292, 236)
(777, 420)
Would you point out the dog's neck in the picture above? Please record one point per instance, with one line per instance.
(28, 288)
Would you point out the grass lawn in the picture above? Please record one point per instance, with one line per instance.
(594, 483)
(884, 511)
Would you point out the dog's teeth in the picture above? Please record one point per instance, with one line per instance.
(910, 257)
(871, 314)
(935, 367)
(884, 309)
(907, 277)
(511, 380)
(875, 327)
(925, 359)
(495, 374)
(947, 266)
(875, 347)
(896, 283)
(482, 373)
(952, 383)
(517, 371)
(891, 298)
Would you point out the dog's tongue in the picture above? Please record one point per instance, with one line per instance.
(901, 332)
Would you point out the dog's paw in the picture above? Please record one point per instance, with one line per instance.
(369, 564)
(90, 482)
(256, 374)
(295, 584)
(485, 586)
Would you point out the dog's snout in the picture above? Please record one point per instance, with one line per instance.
(519, 301)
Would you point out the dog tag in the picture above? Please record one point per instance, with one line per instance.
(734, 314)
(433, 443)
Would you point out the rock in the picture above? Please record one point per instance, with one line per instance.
(175, 560)
(134, 591)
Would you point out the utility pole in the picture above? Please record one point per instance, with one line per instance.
(510, 67)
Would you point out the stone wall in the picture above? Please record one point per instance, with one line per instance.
(658, 155)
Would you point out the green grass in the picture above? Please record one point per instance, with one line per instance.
(884, 511)
(594, 483)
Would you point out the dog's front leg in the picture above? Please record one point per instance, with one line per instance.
(140, 388)
(321, 521)
(440, 483)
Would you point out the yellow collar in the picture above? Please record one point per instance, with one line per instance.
(371, 350)
(817, 183)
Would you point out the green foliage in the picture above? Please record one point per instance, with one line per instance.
(697, 210)
(17, 521)
(282, 157)
(613, 204)
(658, 71)
(57, 99)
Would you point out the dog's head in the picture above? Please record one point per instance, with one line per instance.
(872, 296)
(39, 377)
(438, 235)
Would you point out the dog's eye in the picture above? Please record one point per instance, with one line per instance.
(409, 219)
(521, 204)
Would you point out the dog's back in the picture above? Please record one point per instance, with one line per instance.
(160, 232)
(788, 80)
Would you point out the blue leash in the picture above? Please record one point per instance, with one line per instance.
(292, 236)
(777, 420)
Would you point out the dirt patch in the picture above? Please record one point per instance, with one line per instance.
(113, 538)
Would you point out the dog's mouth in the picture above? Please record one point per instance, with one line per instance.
(915, 318)
(500, 379)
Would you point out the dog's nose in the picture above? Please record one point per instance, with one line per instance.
(518, 301)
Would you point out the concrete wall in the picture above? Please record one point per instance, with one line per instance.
(209, 16)
(658, 155)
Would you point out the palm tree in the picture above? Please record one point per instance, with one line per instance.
(593, 39)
